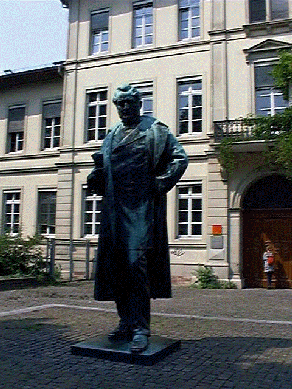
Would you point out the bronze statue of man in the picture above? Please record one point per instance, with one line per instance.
(139, 162)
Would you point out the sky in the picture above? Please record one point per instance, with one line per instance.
(33, 33)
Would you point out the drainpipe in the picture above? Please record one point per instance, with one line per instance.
(73, 149)
(228, 237)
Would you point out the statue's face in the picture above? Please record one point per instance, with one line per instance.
(129, 110)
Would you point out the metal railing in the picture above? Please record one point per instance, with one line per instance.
(245, 129)
(78, 256)
(232, 129)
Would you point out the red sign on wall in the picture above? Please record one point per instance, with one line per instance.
(217, 229)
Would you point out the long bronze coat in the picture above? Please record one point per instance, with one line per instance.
(133, 174)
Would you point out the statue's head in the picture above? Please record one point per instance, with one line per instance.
(127, 99)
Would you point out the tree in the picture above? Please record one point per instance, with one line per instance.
(282, 72)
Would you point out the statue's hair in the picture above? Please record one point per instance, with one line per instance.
(124, 91)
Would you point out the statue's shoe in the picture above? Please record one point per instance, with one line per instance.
(122, 332)
(139, 343)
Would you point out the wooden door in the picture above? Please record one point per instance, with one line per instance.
(259, 226)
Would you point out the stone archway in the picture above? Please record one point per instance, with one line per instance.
(267, 215)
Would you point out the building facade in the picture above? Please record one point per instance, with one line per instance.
(200, 67)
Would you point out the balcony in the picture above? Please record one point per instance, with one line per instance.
(249, 129)
(269, 134)
(235, 129)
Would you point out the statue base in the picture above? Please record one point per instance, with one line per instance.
(120, 351)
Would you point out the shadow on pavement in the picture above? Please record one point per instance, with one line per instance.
(35, 353)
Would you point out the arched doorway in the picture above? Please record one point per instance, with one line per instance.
(267, 216)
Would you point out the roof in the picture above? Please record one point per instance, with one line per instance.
(12, 79)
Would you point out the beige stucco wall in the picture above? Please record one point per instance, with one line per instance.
(163, 71)
(32, 96)
(217, 56)
(120, 25)
(31, 169)
(228, 87)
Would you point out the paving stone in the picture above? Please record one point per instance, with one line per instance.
(215, 353)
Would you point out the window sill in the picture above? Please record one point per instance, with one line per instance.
(268, 27)
(189, 237)
(49, 151)
(13, 153)
(190, 135)
(193, 138)
(143, 47)
(49, 236)
(100, 54)
(184, 243)
(189, 40)
(94, 142)
(91, 238)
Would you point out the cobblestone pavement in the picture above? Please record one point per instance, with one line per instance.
(230, 339)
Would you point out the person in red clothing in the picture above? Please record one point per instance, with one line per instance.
(269, 263)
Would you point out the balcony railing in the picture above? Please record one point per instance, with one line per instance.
(241, 130)
(235, 129)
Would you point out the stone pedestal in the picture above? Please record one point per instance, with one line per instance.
(101, 347)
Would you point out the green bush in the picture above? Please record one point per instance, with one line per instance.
(206, 279)
(21, 257)
(46, 278)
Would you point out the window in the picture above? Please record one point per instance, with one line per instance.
(269, 100)
(92, 210)
(15, 128)
(11, 212)
(99, 31)
(189, 19)
(190, 106)
(190, 210)
(96, 115)
(47, 213)
(262, 10)
(143, 24)
(146, 92)
(52, 124)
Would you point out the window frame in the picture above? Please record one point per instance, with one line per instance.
(97, 104)
(268, 11)
(189, 197)
(95, 199)
(147, 93)
(41, 191)
(15, 137)
(100, 32)
(136, 6)
(190, 94)
(53, 126)
(11, 202)
(271, 94)
(189, 8)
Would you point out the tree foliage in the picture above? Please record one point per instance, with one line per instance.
(282, 72)
(277, 128)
